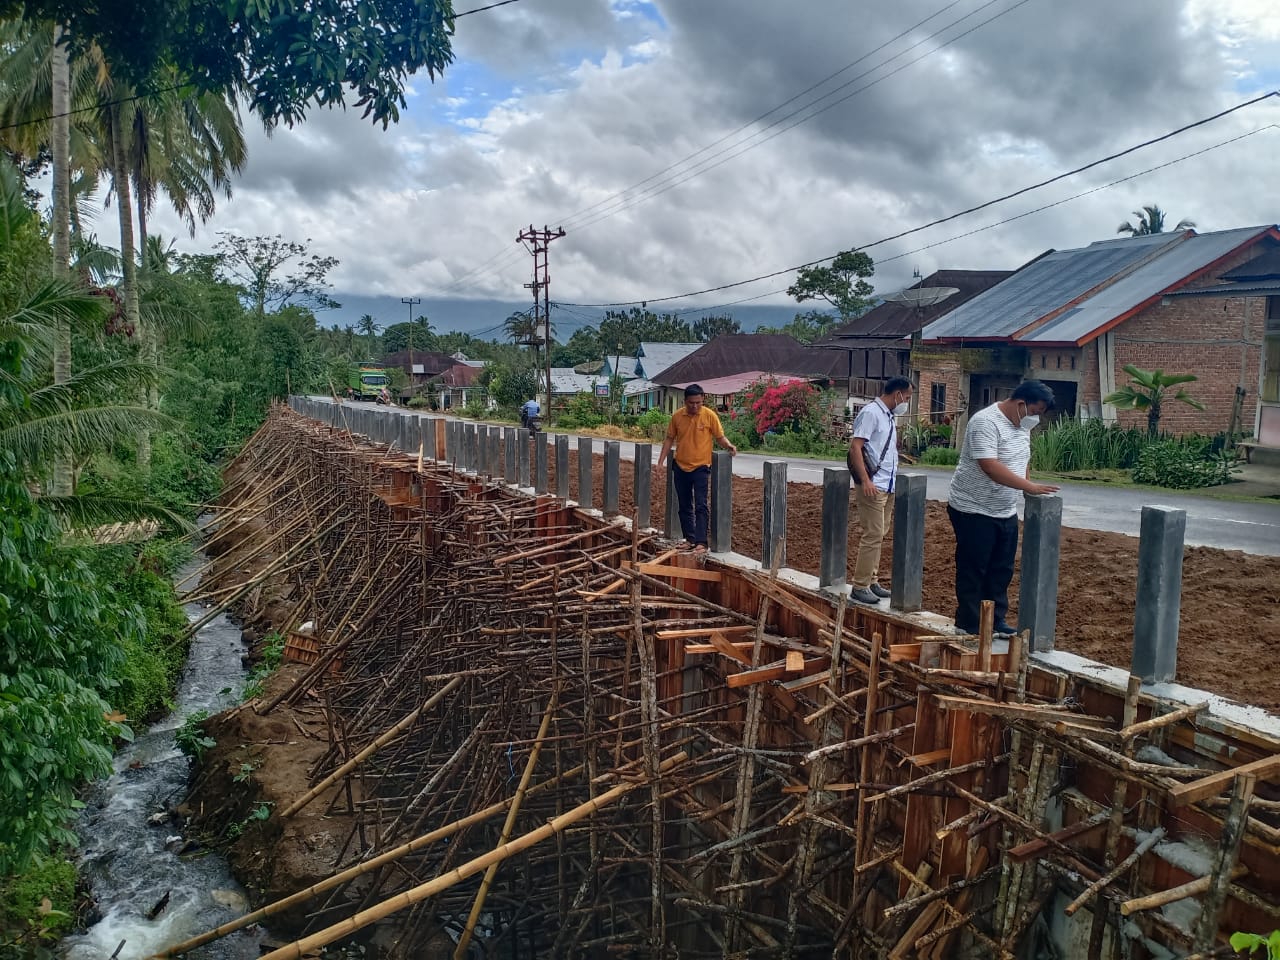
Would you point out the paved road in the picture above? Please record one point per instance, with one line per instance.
(1231, 525)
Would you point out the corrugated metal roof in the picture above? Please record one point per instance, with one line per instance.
(1249, 288)
(638, 386)
(1041, 287)
(740, 352)
(654, 358)
(1174, 263)
(566, 380)
(625, 366)
(721, 386)
(889, 322)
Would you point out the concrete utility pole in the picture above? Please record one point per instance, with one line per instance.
(410, 301)
(537, 242)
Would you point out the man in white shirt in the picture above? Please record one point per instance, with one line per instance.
(983, 503)
(875, 436)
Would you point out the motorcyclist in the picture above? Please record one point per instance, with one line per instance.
(530, 411)
(384, 396)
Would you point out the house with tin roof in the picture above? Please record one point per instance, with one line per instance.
(1074, 318)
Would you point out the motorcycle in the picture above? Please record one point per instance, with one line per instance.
(531, 423)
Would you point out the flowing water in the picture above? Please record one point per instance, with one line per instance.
(130, 847)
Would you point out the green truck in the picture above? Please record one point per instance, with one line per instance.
(368, 381)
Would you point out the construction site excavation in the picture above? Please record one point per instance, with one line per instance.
(518, 723)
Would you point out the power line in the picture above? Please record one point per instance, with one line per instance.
(619, 204)
(959, 213)
(467, 13)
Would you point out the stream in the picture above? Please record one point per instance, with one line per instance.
(131, 846)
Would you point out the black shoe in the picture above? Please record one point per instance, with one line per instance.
(863, 595)
(879, 591)
(1003, 629)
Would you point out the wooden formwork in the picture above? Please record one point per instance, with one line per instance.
(789, 774)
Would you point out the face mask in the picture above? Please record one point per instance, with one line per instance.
(1029, 422)
(901, 408)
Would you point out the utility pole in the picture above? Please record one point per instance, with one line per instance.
(537, 242)
(410, 301)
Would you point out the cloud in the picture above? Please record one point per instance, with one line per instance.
(554, 107)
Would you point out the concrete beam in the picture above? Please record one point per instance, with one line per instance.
(612, 477)
(773, 535)
(906, 592)
(642, 481)
(511, 469)
(585, 460)
(671, 522)
(720, 532)
(541, 482)
(1162, 535)
(562, 466)
(522, 457)
(834, 564)
(495, 452)
(1041, 550)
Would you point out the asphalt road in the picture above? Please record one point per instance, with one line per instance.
(1230, 525)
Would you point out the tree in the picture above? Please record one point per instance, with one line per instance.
(1150, 220)
(521, 327)
(805, 327)
(256, 263)
(286, 57)
(706, 329)
(843, 284)
(400, 336)
(369, 327)
(1148, 390)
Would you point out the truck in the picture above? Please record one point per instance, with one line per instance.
(368, 381)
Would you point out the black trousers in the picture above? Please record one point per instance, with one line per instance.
(985, 551)
(692, 488)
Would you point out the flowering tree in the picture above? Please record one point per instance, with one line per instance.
(785, 406)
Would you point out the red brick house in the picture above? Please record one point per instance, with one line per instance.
(1075, 318)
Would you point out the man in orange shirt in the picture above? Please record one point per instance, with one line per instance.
(693, 429)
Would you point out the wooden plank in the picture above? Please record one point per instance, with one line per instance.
(697, 648)
(908, 652)
(804, 683)
(676, 573)
(1034, 848)
(730, 649)
(1213, 785)
(930, 758)
(1020, 711)
(795, 661)
(773, 671)
(704, 631)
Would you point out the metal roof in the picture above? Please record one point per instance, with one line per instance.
(1173, 264)
(735, 353)
(884, 325)
(653, 358)
(567, 380)
(1043, 286)
(736, 383)
(638, 386)
(1250, 288)
(626, 366)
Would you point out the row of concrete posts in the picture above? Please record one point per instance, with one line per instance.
(502, 454)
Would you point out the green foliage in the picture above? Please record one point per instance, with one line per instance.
(61, 638)
(806, 327)
(37, 905)
(940, 456)
(259, 814)
(653, 423)
(843, 284)
(1066, 446)
(1183, 465)
(1150, 220)
(582, 410)
(1148, 390)
(1255, 941)
(510, 385)
(191, 738)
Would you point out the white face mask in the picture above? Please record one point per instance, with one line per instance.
(901, 408)
(1029, 422)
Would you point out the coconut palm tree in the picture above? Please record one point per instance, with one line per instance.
(1150, 220)
(370, 327)
(1148, 390)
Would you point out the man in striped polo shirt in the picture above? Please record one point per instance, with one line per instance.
(983, 503)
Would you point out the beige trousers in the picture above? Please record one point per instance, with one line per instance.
(874, 516)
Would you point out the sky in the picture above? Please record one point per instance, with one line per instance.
(663, 136)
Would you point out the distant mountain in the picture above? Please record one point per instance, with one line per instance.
(484, 318)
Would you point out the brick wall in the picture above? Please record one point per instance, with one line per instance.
(1217, 339)
(942, 367)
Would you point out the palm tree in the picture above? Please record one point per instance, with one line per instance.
(369, 326)
(521, 327)
(1148, 390)
(1150, 221)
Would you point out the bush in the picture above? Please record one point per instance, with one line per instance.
(1068, 445)
(580, 412)
(1182, 466)
(653, 424)
(940, 456)
(24, 918)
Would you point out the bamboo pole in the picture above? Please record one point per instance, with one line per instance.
(1115, 872)
(329, 883)
(512, 812)
(370, 750)
(300, 948)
